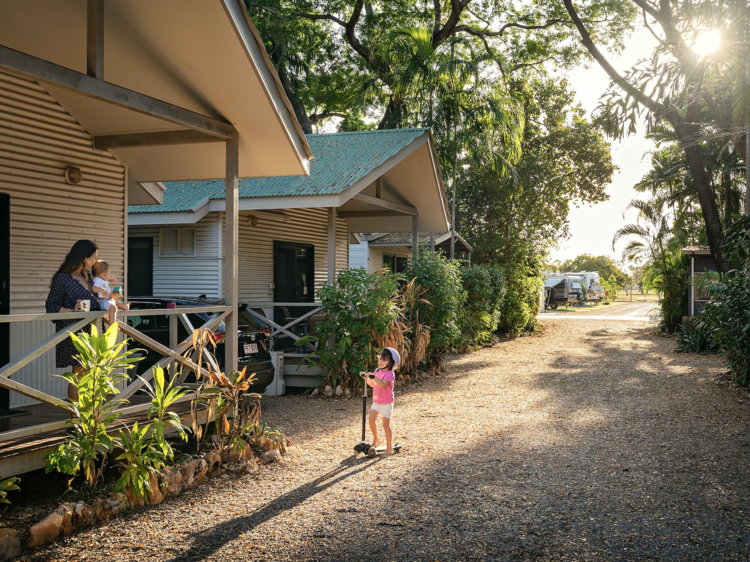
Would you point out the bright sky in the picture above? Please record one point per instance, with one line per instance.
(592, 227)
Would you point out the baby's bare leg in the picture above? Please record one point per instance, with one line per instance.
(122, 305)
(112, 314)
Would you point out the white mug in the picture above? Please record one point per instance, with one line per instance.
(85, 305)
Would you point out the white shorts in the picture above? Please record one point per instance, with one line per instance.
(385, 410)
(104, 304)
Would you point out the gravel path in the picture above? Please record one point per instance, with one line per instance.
(592, 441)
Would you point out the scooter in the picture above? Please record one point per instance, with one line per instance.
(363, 446)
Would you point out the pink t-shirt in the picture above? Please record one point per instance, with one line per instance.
(383, 395)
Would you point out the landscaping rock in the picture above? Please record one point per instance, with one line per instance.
(47, 530)
(423, 374)
(83, 515)
(155, 496)
(407, 379)
(239, 456)
(268, 457)
(170, 481)
(214, 464)
(66, 512)
(265, 443)
(103, 511)
(10, 546)
(347, 393)
(241, 468)
(132, 499)
(193, 473)
(339, 391)
(119, 505)
(328, 391)
(315, 393)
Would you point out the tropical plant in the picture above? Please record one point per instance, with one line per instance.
(696, 339)
(199, 352)
(231, 422)
(407, 334)
(8, 485)
(140, 460)
(446, 296)
(163, 395)
(94, 412)
(360, 308)
(727, 316)
(653, 239)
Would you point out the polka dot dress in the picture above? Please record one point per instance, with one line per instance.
(64, 292)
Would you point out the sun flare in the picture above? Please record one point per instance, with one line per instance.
(706, 43)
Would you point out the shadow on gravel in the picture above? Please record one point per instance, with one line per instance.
(208, 542)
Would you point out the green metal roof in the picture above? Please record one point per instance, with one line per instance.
(341, 159)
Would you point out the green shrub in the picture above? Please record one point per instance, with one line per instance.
(446, 294)
(521, 303)
(94, 411)
(696, 339)
(485, 288)
(360, 308)
(727, 317)
(668, 274)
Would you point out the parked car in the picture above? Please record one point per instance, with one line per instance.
(253, 342)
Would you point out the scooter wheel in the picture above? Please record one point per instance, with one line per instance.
(372, 453)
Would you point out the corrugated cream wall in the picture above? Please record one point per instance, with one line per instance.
(38, 140)
(187, 276)
(203, 274)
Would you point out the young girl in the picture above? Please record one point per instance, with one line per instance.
(381, 382)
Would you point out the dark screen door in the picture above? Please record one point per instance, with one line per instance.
(140, 267)
(294, 281)
(4, 289)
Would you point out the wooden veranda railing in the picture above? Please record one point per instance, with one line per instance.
(172, 354)
(268, 307)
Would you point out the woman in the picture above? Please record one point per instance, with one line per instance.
(72, 284)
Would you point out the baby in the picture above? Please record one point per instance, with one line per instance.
(102, 290)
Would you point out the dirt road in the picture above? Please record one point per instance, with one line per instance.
(633, 311)
(591, 441)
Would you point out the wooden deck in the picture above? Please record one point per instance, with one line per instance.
(27, 453)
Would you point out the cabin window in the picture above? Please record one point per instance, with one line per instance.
(177, 242)
(395, 263)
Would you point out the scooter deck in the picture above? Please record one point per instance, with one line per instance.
(375, 451)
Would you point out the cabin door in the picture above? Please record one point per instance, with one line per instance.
(4, 290)
(140, 267)
(294, 281)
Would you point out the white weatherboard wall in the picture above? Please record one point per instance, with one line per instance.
(358, 255)
(374, 255)
(192, 276)
(38, 140)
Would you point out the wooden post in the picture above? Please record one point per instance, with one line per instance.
(95, 39)
(230, 263)
(331, 245)
(414, 238)
(432, 242)
(379, 188)
(173, 342)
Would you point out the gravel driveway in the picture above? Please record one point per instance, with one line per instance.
(592, 441)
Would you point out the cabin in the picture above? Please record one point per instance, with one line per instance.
(393, 250)
(100, 104)
(700, 262)
(293, 232)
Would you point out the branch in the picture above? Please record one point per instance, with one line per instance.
(316, 118)
(438, 16)
(645, 22)
(484, 33)
(639, 96)
(457, 6)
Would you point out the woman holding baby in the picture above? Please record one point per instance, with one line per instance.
(71, 291)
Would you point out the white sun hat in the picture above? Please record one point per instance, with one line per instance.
(395, 355)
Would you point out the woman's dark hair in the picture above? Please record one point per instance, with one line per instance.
(388, 356)
(78, 253)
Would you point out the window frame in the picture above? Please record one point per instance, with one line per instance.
(179, 243)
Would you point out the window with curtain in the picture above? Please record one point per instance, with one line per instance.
(178, 242)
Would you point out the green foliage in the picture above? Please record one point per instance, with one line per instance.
(8, 485)
(727, 317)
(485, 289)
(360, 308)
(696, 339)
(231, 421)
(445, 293)
(521, 303)
(163, 396)
(603, 265)
(94, 411)
(141, 457)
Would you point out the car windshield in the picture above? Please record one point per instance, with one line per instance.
(246, 319)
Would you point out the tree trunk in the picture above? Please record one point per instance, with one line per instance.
(299, 109)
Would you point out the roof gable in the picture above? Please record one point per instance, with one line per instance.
(341, 160)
